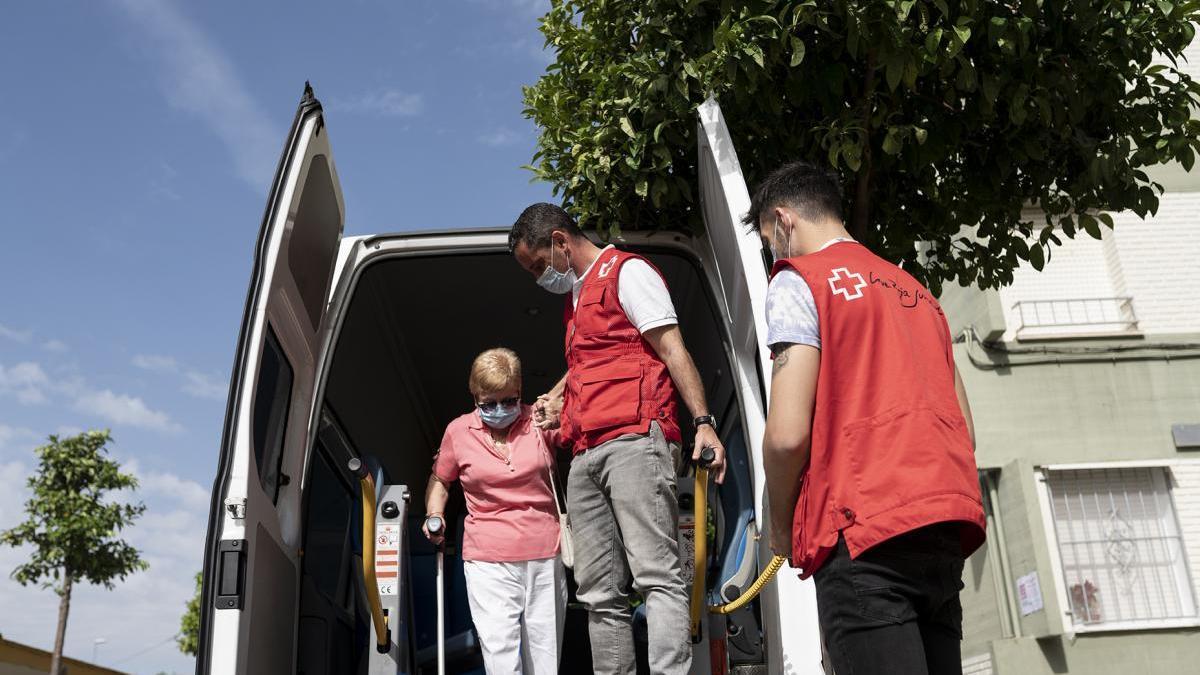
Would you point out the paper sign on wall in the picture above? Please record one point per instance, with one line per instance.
(1029, 593)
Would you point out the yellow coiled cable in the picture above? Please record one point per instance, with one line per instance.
(756, 587)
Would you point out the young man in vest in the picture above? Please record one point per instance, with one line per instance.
(869, 445)
(625, 361)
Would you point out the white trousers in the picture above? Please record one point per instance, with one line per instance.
(518, 609)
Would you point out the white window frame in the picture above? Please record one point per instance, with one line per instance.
(1057, 572)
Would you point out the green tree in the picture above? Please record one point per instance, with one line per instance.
(937, 114)
(189, 625)
(74, 521)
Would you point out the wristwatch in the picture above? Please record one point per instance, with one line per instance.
(710, 420)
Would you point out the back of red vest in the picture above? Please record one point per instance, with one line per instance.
(890, 448)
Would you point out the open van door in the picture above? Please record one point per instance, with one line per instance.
(252, 555)
(789, 605)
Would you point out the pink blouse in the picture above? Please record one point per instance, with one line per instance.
(511, 514)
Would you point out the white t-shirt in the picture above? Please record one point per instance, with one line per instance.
(640, 290)
(791, 309)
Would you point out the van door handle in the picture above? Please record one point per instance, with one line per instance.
(231, 573)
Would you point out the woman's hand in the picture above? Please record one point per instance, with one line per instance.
(546, 411)
(435, 539)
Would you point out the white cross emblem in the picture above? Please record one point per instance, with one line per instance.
(843, 274)
(607, 267)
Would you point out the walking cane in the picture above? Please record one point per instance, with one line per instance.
(436, 525)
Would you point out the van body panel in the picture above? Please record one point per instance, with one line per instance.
(305, 281)
(789, 605)
(252, 556)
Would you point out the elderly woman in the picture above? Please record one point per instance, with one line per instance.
(515, 583)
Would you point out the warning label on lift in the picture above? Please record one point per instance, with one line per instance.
(387, 557)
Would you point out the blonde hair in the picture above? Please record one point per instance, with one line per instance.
(495, 370)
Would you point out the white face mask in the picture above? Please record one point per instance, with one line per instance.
(555, 281)
(776, 253)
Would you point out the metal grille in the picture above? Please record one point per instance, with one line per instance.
(1122, 553)
(1093, 315)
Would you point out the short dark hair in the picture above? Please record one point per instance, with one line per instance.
(534, 225)
(815, 192)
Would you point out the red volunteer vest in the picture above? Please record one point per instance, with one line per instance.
(890, 448)
(616, 384)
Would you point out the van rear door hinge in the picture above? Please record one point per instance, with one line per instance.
(236, 507)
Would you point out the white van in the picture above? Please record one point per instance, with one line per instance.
(359, 347)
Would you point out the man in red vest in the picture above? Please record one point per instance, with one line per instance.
(869, 445)
(625, 361)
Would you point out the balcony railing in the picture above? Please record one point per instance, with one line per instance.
(1075, 317)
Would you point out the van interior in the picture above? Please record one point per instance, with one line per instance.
(398, 376)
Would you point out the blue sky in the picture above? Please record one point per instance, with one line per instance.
(137, 139)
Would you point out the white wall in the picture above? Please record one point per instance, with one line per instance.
(1160, 259)
(1155, 261)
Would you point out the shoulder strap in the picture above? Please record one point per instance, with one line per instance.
(549, 467)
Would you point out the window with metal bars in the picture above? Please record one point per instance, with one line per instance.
(1122, 554)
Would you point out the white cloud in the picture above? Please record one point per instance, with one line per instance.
(10, 434)
(55, 346)
(188, 492)
(14, 334)
(383, 102)
(126, 410)
(155, 363)
(523, 8)
(499, 137)
(203, 386)
(195, 383)
(198, 78)
(27, 381)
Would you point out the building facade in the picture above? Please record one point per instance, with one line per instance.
(1084, 382)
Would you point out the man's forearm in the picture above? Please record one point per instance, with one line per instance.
(784, 471)
(687, 381)
(557, 389)
(683, 372)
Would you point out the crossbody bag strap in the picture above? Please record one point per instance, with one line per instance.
(550, 469)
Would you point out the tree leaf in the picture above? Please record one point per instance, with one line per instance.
(755, 53)
(963, 33)
(627, 127)
(891, 142)
(894, 70)
(797, 52)
(1037, 257)
(991, 88)
(1090, 225)
(933, 41)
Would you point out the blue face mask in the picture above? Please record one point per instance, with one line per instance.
(500, 416)
(555, 281)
